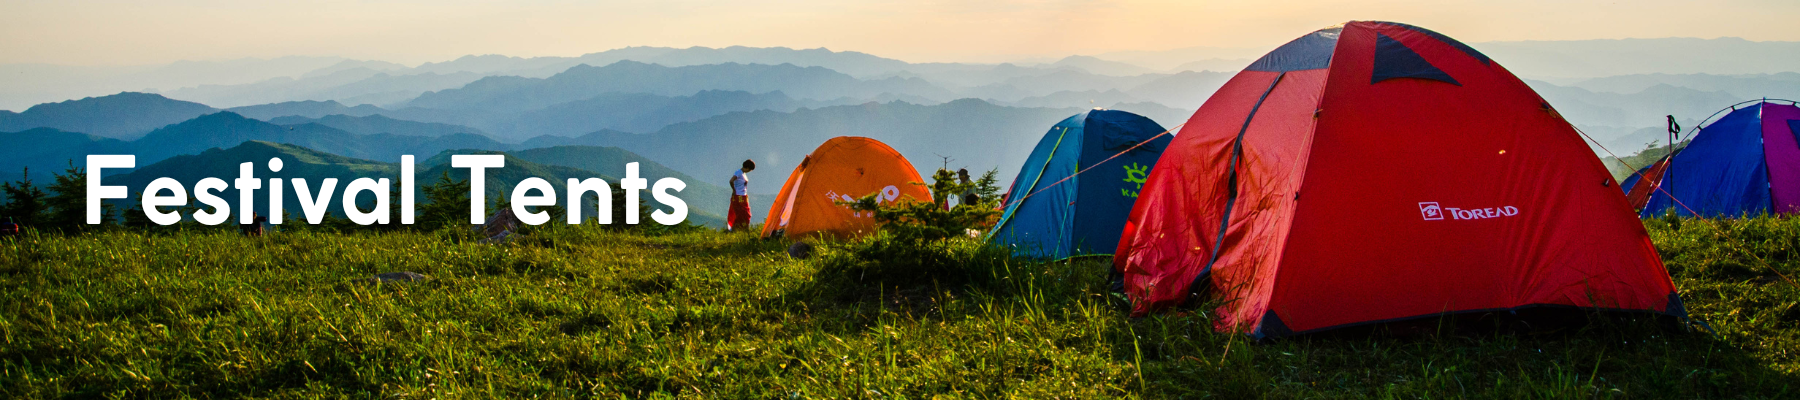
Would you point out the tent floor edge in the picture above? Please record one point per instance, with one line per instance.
(1270, 327)
(1676, 307)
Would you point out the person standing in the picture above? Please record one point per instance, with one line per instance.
(738, 215)
(969, 198)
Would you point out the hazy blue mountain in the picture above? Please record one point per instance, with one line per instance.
(1072, 99)
(359, 85)
(597, 138)
(1000, 92)
(47, 150)
(28, 84)
(347, 65)
(378, 124)
(227, 129)
(1164, 115)
(305, 109)
(495, 64)
(1101, 67)
(1175, 59)
(1625, 141)
(1752, 86)
(1610, 57)
(962, 76)
(585, 81)
(1215, 64)
(1077, 80)
(972, 133)
(1187, 89)
(637, 112)
(125, 115)
(1628, 121)
(250, 81)
(1644, 108)
(849, 62)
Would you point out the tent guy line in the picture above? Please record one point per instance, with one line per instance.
(1072, 176)
(1709, 222)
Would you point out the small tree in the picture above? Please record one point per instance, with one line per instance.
(24, 201)
(923, 224)
(916, 243)
(137, 219)
(68, 203)
(988, 188)
(446, 204)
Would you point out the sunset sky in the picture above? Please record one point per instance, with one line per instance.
(88, 32)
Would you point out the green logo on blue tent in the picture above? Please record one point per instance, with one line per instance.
(1135, 173)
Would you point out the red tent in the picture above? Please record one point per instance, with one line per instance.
(1378, 172)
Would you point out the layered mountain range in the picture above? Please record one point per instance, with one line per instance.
(696, 113)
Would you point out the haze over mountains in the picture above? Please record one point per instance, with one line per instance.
(700, 111)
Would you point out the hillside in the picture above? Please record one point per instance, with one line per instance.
(305, 109)
(52, 151)
(226, 129)
(125, 115)
(379, 124)
(297, 162)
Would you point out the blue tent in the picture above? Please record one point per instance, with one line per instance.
(1047, 216)
(1747, 163)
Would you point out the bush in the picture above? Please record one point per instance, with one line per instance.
(918, 242)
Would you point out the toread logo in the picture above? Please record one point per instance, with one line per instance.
(1431, 211)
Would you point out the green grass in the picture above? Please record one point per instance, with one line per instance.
(585, 312)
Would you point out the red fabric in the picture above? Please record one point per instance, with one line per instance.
(1640, 193)
(1327, 229)
(738, 214)
(1182, 213)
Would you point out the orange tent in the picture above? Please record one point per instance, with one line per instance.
(843, 169)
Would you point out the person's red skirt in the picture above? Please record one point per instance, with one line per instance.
(738, 217)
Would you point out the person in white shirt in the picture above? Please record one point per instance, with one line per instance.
(738, 216)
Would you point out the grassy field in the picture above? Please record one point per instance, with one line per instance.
(584, 312)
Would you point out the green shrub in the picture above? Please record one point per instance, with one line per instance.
(918, 242)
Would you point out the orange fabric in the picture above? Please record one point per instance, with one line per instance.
(738, 216)
(844, 168)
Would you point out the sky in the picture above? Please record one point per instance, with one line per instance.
(119, 32)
